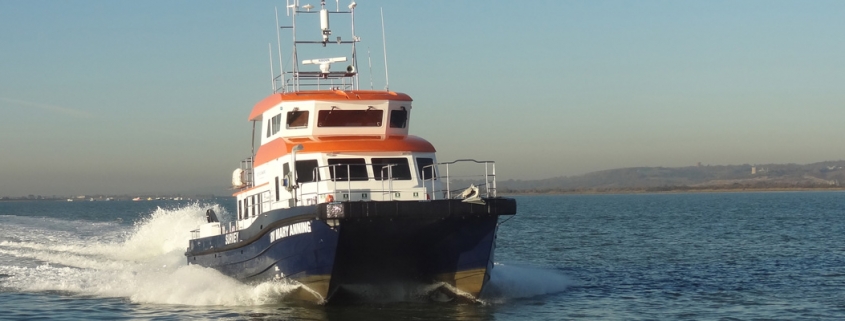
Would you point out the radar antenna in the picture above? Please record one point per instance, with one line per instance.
(300, 76)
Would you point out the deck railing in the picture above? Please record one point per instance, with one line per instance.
(431, 184)
(434, 186)
(347, 184)
(487, 181)
(247, 168)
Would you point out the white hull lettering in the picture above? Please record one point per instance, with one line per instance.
(231, 238)
(290, 230)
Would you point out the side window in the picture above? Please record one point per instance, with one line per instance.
(353, 169)
(398, 118)
(274, 124)
(399, 170)
(305, 171)
(426, 172)
(297, 119)
(277, 123)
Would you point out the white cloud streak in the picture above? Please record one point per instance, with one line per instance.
(51, 108)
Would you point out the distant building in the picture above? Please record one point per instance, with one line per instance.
(753, 170)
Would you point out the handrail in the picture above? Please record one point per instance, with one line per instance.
(426, 179)
(305, 195)
(389, 168)
(489, 176)
(333, 178)
(247, 166)
(432, 179)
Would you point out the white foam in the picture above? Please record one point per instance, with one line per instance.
(144, 263)
(509, 282)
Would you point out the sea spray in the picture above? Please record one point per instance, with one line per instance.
(509, 281)
(144, 263)
(163, 232)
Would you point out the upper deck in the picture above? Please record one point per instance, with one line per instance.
(339, 96)
(333, 113)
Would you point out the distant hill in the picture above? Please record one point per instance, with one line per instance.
(830, 174)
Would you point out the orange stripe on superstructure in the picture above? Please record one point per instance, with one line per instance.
(280, 147)
(249, 189)
(324, 95)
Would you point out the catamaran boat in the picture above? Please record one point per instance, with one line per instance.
(339, 196)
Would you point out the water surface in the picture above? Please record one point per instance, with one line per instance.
(719, 256)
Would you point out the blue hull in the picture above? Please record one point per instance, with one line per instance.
(329, 247)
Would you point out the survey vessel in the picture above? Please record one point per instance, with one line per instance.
(338, 196)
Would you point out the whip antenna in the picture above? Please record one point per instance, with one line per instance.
(279, 45)
(370, 62)
(384, 44)
(272, 74)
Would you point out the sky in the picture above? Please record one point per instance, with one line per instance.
(152, 97)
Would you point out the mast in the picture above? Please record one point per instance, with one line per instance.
(279, 48)
(306, 77)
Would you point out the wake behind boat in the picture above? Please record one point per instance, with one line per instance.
(339, 196)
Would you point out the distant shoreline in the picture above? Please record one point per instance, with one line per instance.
(651, 190)
(672, 191)
(107, 199)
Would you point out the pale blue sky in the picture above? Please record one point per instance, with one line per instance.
(153, 96)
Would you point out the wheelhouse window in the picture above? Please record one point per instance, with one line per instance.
(353, 169)
(350, 118)
(297, 119)
(398, 118)
(399, 170)
(426, 172)
(273, 125)
(276, 123)
(305, 171)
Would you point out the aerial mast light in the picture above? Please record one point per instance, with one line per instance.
(324, 22)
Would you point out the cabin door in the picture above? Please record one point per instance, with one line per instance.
(288, 183)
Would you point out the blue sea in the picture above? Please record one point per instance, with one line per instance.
(708, 256)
